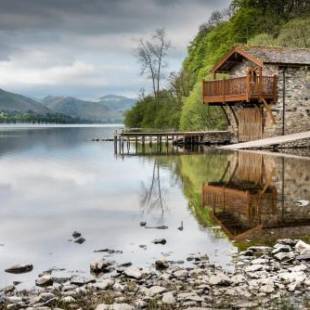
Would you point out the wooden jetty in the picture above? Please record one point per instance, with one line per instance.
(124, 139)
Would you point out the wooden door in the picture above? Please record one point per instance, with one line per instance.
(250, 124)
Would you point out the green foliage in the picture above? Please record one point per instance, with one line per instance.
(196, 116)
(149, 112)
(296, 33)
(263, 39)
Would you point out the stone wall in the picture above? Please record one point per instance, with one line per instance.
(297, 102)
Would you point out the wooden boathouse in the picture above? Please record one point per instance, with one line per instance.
(263, 92)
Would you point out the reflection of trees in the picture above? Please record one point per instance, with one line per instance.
(152, 197)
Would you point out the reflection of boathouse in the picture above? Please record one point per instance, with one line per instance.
(250, 199)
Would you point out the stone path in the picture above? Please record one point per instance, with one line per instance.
(267, 142)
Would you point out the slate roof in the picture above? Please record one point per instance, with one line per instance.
(271, 55)
(264, 55)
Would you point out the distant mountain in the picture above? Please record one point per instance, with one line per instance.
(14, 103)
(117, 103)
(107, 109)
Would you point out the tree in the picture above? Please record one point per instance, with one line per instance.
(152, 58)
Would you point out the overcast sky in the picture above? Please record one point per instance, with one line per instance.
(84, 48)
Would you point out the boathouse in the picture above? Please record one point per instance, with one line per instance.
(262, 91)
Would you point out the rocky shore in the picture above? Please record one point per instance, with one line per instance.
(263, 278)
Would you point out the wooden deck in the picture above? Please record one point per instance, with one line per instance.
(239, 89)
(142, 138)
(268, 142)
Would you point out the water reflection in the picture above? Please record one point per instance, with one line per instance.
(257, 197)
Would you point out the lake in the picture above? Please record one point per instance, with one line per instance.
(55, 180)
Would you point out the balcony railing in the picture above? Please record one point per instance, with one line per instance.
(240, 89)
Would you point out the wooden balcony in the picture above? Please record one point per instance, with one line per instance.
(240, 89)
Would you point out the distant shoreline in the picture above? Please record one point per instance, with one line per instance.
(57, 125)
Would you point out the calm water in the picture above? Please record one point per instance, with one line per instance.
(56, 180)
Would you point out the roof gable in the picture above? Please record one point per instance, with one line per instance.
(263, 55)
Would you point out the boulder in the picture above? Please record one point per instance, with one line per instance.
(101, 265)
(161, 264)
(301, 247)
(80, 281)
(133, 272)
(76, 234)
(80, 240)
(219, 279)
(160, 241)
(19, 268)
(44, 280)
(168, 298)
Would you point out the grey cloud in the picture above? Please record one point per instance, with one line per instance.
(46, 35)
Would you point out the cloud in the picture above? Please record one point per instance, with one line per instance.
(87, 46)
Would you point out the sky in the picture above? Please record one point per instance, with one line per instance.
(85, 48)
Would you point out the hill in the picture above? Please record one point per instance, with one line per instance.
(107, 109)
(15, 103)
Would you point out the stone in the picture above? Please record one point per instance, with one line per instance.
(80, 281)
(168, 298)
(19, 268)
(44, 280)
(189, 297)
(161, 264)
(109, 251)
(76, 234)
(302, 247)
(155, 290)
(305, 256)
(302, 203)
(100, 265)
(237, 279)
(133, 272)
(104, 284)
(80, 240)
(260, 250)
(68, 300)
(289, 277)
(267, 288)
(180, 274)
(281, 248)
(253, 268)
(121, 306)
(219, 279)
(281, 256)
(160, 241)
(142, 224)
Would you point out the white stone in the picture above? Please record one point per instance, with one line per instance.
(168, 298)
(133, 272)
(301, 247)
(254, 268)
(68, 300)
(180, 273)
(219, 279)
(104, 284)
(289, 277)
(155, 290)
(268, 288)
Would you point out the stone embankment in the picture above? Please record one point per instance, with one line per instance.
(263, 278)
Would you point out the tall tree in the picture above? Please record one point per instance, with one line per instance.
(151, 55)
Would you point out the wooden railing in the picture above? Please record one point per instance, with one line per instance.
(240, 89)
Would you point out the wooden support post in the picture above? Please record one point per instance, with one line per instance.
(115, 142)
